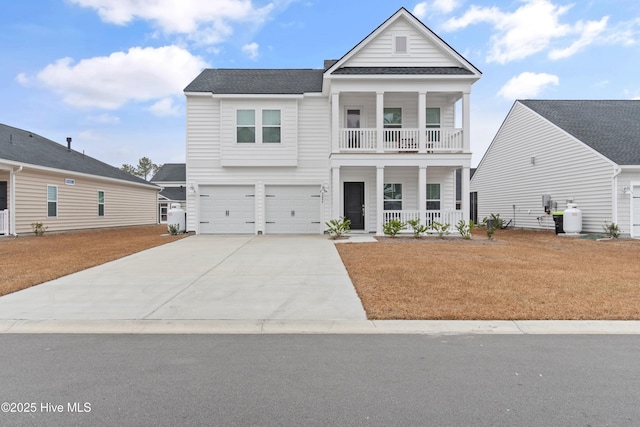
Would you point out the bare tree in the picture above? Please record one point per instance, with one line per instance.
(144, 168)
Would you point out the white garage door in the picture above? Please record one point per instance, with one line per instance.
(227, 209)
(292, 209)
(635, 220)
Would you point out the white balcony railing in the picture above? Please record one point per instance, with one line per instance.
(4, 222)
(451, 217)
(437, 140)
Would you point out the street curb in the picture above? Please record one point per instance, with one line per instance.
(372, 327)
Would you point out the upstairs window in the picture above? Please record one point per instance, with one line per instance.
(433, 117)
(271, 126)
(52, 201)
(393, 197)
(246, 126)
(393, 118)
(433, 197)
(100, 203)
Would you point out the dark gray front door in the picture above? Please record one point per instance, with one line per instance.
(3, 195)
(354, 204)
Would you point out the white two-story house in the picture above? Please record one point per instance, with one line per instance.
(373, 136)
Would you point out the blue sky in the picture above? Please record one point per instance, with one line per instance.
(110, 73)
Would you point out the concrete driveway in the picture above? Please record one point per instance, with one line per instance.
(199, 278)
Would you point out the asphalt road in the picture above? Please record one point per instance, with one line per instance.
(320, 380)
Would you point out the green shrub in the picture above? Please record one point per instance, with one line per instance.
(612, 230)
(492, 224)
(38, 228)
(465, 229)
(393, 227)
(174, 229)
(441, 229)
(418, 229)
(338, 227)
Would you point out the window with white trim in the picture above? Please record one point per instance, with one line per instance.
(52, 201)
(100, 203)
(271, 123)
(267, 121)
(433, 197)
(246, 126)
(433, 117)
(393, 197)
(393, 117)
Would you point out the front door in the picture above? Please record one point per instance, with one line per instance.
(354, 204)
(3, 195)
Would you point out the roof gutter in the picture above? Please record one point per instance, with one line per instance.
(12, 201)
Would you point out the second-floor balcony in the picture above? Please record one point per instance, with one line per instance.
(434, 140)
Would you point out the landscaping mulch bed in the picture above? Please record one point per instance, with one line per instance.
(29, 260)
(521, 274)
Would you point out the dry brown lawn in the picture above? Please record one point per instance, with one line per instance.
(519, 275)
(29, 260)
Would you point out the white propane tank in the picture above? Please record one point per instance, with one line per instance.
(175, 216)
(572, 219)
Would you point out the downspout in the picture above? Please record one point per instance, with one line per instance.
(12, 200)
(614, 193)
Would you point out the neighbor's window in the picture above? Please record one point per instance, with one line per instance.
(393, 117)
(246, 126)
(433, 117)
(270, 126)
(100, 203)
(392, 197)
(52, 201)
(433, 197)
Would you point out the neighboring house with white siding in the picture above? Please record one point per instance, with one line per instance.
(43, 181)
(585, 152)
(171, 178)
(376, 135)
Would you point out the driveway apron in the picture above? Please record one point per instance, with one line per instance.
(274, 277)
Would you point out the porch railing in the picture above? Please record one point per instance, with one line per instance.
(451, 217)
(400, 140)
(4, 221)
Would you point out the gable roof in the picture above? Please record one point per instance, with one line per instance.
(403, 13)
(257, 81)
(171, 172)
(174, 193)
(610, 127)
(24, 147)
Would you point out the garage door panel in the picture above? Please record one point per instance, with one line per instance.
(227, 209)
(292, 209)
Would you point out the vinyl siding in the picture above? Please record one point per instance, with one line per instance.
(308, 116)
(422, 51)
(564, 168)
(125, 205)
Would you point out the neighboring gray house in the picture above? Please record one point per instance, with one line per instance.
(43, 181)
(585, 152)
(373, 136)
(171, 177)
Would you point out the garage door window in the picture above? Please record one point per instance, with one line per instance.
(246, 126)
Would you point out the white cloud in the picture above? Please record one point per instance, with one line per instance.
(532, 28)
(527, 85)
(23, 79)
(105, 118)
(205, 21)
(165, 107)
(445, 6)
(423, 9)
(420, 10)
(252, 50)
(140, 74)
(590, 32)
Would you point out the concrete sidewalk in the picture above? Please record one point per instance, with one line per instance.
(202, 278)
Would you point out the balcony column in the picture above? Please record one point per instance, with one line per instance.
(422, 122)
(335, 193)
(466, 123)
(464, 194)
(379, 200)
(380, 122)
(422, 194)
(335, 122)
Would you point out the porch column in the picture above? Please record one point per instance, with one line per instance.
(379, 122)
(464, 194)
(422, 194)
(335, 193)
(335, 122)
(466, 124)
(422, 122)
(379, 200)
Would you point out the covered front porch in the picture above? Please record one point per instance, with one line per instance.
(370, 196)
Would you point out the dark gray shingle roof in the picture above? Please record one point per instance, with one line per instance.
(22, 146)
(610, 127)
(257, 81)
(403, 70)
(171, 172)
(174, 193)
